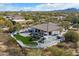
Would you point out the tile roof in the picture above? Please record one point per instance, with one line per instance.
(51, 27)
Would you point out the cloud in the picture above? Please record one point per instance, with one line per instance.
(56, 6)
(38, 7)
(1, 4)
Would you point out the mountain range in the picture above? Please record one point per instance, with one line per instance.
(69, 10)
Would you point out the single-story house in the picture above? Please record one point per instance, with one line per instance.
(19, 19)
(45, 34)
(4, 28)
(16, 18)
(59, 17)
(47, 29)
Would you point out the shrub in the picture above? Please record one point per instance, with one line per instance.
(71, 36)
(34, 52)
(59, 51)
(61, 44)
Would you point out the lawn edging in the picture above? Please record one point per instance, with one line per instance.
(22, 44)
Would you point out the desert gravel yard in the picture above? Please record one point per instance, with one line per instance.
(9, 47)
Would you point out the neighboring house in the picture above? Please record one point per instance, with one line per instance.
(18, 18)
(4, 28)
(59, 17)
(8, 16)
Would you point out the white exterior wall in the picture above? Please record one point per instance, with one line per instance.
(18, 20)
(55, 32)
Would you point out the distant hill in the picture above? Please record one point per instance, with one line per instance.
(69, 10)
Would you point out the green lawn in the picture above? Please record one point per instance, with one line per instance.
(25, 40)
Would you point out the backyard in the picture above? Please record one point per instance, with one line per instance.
(25, 40)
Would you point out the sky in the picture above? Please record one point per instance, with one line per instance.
(36, 6)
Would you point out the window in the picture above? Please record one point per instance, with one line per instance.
(50, 33)
(45, 34)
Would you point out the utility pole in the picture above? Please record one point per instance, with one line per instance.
(47, 24)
